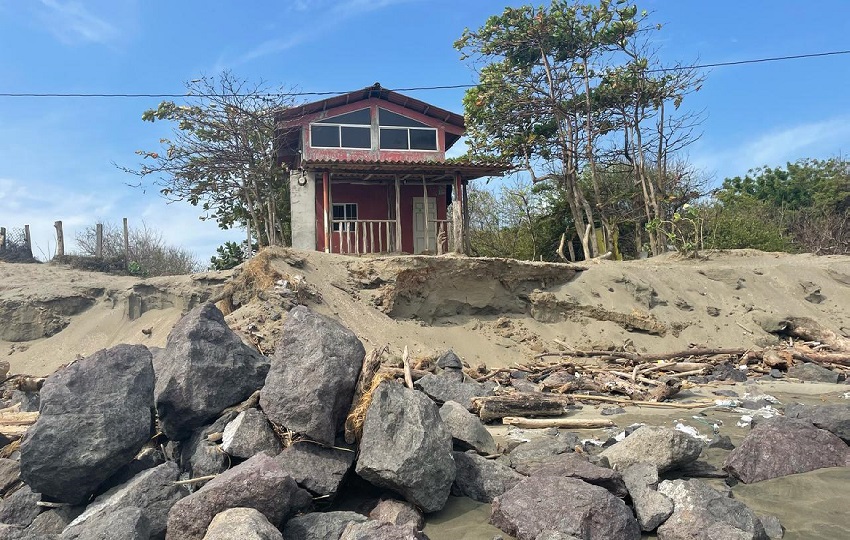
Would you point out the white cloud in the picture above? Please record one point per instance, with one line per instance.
(71, 22)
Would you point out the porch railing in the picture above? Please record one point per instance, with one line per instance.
(445, 235)
(364, 236)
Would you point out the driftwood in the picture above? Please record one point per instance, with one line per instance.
(658, 404)
(405, 360)
(811, 330)
(566, 423)
(14, 423)
(525, 404)
(817, 357)
(415, 374)
(371, 364)
(647, 358)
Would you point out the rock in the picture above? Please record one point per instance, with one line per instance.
(772, 527)
(609, 411)
(555, 535)
(652, 508)
(833, 418)
(482, 479)
(449, 360)
(665, 448)
(378, 530)
(466, 429)
(128, 523)
(13, 532)
(398, 513)
(19, 508)
(147, 458)
(442, 388)
(30, 401)
(54, 521)
(241, 524)
(201, 457)
(248, 434)
(104, 400)
(813, 372)
(151, 491)
(564, 505)
(703, 513)
(320, 525)
(721, 441)
(781, 446)
(258, 483)
(574, 465)
(317, 469)
(525, 457)
(314, 371)
(406, 447)
(204, 369)
(10, 473)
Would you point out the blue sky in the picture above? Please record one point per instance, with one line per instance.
(57, 155)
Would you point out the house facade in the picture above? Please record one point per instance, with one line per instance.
(368, 174)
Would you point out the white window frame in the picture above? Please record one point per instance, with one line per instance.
(338, 227)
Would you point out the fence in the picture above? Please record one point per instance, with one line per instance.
(16, 244)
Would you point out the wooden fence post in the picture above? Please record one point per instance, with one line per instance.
(60, 239)
(2, 238)
(126, 245)
(98, 247)
(28, 239)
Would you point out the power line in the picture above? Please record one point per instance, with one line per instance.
(408, 89)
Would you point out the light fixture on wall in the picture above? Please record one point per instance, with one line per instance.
(302, 178)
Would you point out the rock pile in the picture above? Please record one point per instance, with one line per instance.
(208, 439)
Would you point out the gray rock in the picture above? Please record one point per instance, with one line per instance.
(241, 524)
(577, 466)
(258, 483)
(54, 521)
(610, 411)
(151, 491)
(201, 457)
(147, 458)
(466, 429)
(13, 532)
(565, 505)
(555, 535)
(482, 479)
(781, 446)
(320, 525)
(30, 401)
(652, 508)
(443, 388)
(449, 360)
(378, 530)
(527, 456)
(20, 508)
(107, 400)
(398, 513)
(314, 371)
(317, 469)
(772, 527)
(665, 448)
(834, 418)
(813, 372)
(128, 523)
(703, 513)
(10, 473)
(249, 434)
(204, 369)
(406, 447)
(721, 441)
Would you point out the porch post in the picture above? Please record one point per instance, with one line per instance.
(326, 201)
(458, 217)
(467, 246)
(397, 214)
(425, 211)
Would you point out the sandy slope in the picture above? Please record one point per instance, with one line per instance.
(487, 310)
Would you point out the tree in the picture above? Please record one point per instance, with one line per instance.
(505, 223)
(228, 255)
(221, 155)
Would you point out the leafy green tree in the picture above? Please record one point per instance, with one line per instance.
(228, 255)
(221, 156)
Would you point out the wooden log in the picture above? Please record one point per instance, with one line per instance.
(408, 376)
(774, 359)
(566, 423)
(60, 239)
(14, 423)
(811, 330)
(525, 404)
(658, 404)
(838, 359)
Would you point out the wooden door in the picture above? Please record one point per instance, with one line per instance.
(419, 225)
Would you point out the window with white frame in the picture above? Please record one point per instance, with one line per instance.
(344, 212)
(399, 132)
(349, 130)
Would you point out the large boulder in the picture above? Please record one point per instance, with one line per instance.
(241, 524)
(204, 369)
(530, 455)
(249, 434)
(318, 469)
(320, 525)
(258, 483)
(466, 429)
(20, 508)
(781, 446)
(482, 479)
(95, 417)
(152, 491)
(379, 530)
(651, 507)
(663, 447)
(834, 418)
(703, 513)
(406, 447)
(564, 505)
(311, 382)
(444, 387)
(578, 466)
(128, 523)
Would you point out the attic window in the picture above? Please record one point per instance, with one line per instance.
(399, 132)
(349, 130)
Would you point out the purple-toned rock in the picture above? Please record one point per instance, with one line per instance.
(319, 470)
(241, 524)
(577, 466)
(320, 525)
(398, 513)
(665, 448)
(834, 418)
(313, 373)
(781, 446)
(482, 479)
(378, 530)
(564, 505)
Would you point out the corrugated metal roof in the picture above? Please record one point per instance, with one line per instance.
(468, 171)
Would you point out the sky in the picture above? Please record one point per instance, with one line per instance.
(58, 156)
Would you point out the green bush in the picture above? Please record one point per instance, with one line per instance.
(745, 224)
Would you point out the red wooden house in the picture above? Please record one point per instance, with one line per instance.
(369, 174)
